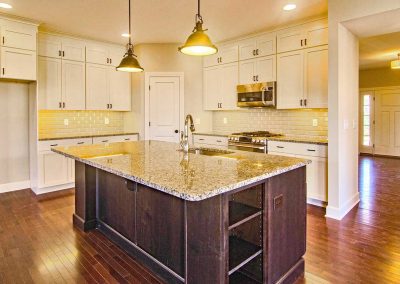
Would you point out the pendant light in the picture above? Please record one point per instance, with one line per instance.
(198, 43)
(129, 63)
(395, 64)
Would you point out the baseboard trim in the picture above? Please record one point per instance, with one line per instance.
(13, 186)
(316, 202)
(44, 190)
(339, 213)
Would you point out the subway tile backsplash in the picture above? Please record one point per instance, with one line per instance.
(290, 122)
(53, 123)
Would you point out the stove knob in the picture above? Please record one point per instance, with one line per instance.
(237, 138)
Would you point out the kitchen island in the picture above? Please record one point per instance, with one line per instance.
(210, 216)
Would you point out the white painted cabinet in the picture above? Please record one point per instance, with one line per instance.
(61, 47)
(303, 36)
(257, 46)
(317, 171)
(18, 64)
(114, 139)
(226, 54)
(104, 54)
(219, 86)
(220, 142)
(61, 84)
(107, 89)
(18, 35)
(262, 69)
(302, 77)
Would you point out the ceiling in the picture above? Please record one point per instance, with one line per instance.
(378, 51)
(162, 21)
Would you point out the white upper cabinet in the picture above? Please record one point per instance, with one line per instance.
(104, 54)
(49, 83)
(262, 69)
(61, 47)
(120, 90)
(73, 85)
(18, 64)
(219, 87)
(303, 36)
(257, 46)
(226, 54)
(18, 35)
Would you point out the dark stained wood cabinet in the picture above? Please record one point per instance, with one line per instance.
(255, 234)
(160, 227)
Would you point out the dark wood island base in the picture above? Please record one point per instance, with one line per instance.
(254, 234)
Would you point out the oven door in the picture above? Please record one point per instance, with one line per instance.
(248, 147)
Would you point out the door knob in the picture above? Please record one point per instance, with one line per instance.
(176, 130)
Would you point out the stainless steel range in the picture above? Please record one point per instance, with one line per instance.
(256, 141)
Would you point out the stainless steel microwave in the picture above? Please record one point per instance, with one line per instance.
(257, 95)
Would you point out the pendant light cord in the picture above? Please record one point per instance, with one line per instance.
(198, 16)
(130, 32)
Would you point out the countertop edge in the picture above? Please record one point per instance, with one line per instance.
(210, 134)
(294, 140)
(188, 197)
(87, 136)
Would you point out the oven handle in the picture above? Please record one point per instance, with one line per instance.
(263, 89)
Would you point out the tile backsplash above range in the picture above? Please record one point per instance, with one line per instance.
(291, 122)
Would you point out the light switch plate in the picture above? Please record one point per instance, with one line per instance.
(225, 120)
(315, 122)
(66, 122)
(106, 120)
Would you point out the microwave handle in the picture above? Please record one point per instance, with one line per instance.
(263, 89)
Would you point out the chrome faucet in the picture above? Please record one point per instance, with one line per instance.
(185, 134)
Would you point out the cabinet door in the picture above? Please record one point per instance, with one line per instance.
(229, 54)
(266, 44)
(18, 64)
(116, 54)
(316, 76)
(229, 74)
(317, 33)
(265, 68)
(97, 53)
(290, 39)
(49, 46)
(97, 87)
(317, 178)
(120, 90)
(211, 89)
(211, 60)
(247, 49)
(49, 83)
(290, 79)
(53, 169)
(73, 85)
(73, 49)
(18, 35)
(247, 70)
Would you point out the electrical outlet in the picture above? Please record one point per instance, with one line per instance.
(345, 124)
(225, 120)
(66, 122)
(315, 122)
(197, 121)
(278, 200)
(106, 120)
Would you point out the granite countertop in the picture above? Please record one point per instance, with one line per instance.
(191, 177)
(84, 136)
(301, 139)
(211, 133)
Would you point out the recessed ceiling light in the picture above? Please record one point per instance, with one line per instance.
(126, 35)
(289, 7)
(5, 6)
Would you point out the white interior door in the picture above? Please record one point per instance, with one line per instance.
(164, 108)
(387, 122)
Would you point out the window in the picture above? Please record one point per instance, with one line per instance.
(366, 120)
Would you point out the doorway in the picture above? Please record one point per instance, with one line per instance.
(164, 103)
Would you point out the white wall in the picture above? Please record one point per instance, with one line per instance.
(343, 97)
(379, 77)
(14, 141)
(166, 58)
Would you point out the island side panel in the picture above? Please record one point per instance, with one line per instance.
(207, 240)
(286, 200)
(85, 197)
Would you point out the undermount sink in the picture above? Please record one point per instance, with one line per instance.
(208, 152)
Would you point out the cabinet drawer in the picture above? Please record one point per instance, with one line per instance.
(113, 139)
(210, 140)
(47, 145)
(302, 149)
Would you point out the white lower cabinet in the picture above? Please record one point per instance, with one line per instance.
(207, 141)
(317, 171)
(114, 139)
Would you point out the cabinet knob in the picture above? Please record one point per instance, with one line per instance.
(176, 131)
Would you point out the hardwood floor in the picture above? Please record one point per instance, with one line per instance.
(39, 245)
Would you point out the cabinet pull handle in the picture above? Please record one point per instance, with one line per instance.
(257, 78)
(59, 105)
(4, 40)
(310, 150)
(127, 139)
(80, 143)
(305, 41)
(63, 104)
(301, 102)
(280, 147)
(59, 53)
(110, 106)
(110, 60)
(53, 145)
(254, 52)
(257, 51)
(104, 141)
(305, 102)
(301, 42)
(201, 139)
(63, 53)
(4, 70)
(219, 141)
